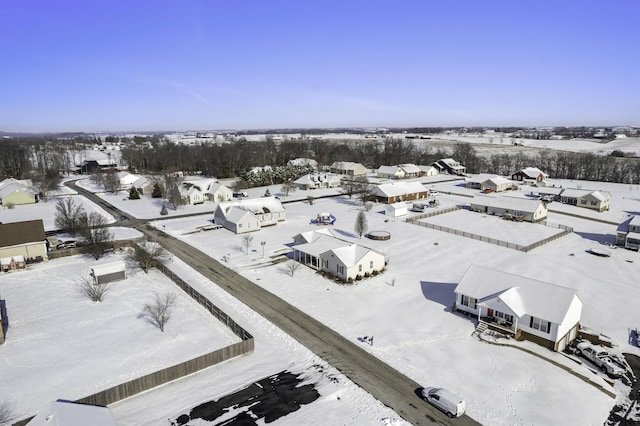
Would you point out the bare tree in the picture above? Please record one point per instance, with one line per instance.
(293, 266)
(311, 199)
(110, 181)
(247, 239)
(361, 225)
(97, 236)
(159, 311)
(148, 254)
(68, 215)
(172, 185)
(288, 187)
(7, 412)
(94, 292)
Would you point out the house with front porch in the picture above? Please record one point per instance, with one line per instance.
(249, 215)
(390, 193)
(521, 307)
(476, 181)
(428, 170)
(318, 181)
(451, 166)
(628, 232)
(586, 198)
(344, 260)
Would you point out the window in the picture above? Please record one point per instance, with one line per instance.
(506, 317)
(594, 203)
(583, 202)
(371, 265)
(538, 324)
(469, 301)
(340, 269)
(360, 268)
(239, 225)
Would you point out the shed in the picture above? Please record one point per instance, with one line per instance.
(396, 209)
(109, 272)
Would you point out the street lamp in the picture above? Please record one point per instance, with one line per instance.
(262, 243)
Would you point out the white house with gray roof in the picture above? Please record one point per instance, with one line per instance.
(399, 191)
(530, 210)
(628, 232)
(587, 198)
(526, 308)
(341, 259)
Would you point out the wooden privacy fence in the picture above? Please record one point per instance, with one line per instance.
(160, 377)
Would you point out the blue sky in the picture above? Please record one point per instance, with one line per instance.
(77, 65)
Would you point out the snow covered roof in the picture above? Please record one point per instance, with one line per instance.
(311, 236)
(550, 190)
(395, 189)
(514, 203)
(410, 168)
(390, 170)
(254, 205)
(480, 178)
(579, 193)
(345, 165)
(351, 254)
(108, 268)
(235, 214)
(521, 294)
(347, 253)
(531, 172)
(9, 181)
(314, 178)
(142, 181)
(66, 413)
(15, 187)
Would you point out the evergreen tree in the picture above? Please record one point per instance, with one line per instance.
(134, 194)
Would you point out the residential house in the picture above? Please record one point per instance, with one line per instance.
(628, 232)
(550, 192)
(525, 209)
(410, 170)
(199, 190)
(429, 170)
(16, 193)
(126, 180)
(587, 198)
(250, 215)
(391, 172)
(449, 165)
(311, 236)
(191, 194)
(541, 312)
(532, 175)
(497, 184)
(348, 168)
(390, 193)
(318, 181)
(144, 185)
(476, 181)
(26, 239)
(341, 259)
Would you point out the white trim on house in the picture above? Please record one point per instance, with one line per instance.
(541, 310)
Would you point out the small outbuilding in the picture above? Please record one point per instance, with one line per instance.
(396, 209)
(109, 272)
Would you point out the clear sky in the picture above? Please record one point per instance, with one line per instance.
(96, 65)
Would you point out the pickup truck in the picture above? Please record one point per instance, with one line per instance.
(601, 359)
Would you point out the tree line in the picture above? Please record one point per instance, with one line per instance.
(44, 159)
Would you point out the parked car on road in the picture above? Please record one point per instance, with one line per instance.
(451, 404)
(601, 359)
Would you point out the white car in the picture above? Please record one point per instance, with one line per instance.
(601, 359)
(450, 403)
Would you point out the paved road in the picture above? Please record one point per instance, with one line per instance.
(383, 382)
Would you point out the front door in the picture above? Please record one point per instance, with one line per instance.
(490, 313)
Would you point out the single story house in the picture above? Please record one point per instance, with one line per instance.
(476, 181)
(68, 413)
(410, 170)
(318, 181)
(241, 216)
(218, 192)
(197, 191)
(628, 232)
(528, 309)
(26, 239)
(497, 184)
(109, 272)
(144, 185)
(18, 194)
(391, 172)
(390, 193)
(529, 210)
(590, 199)
(429, 170)
(451, 166)
(348, 168)
(552, 192)
(531, 174)
(126, 180)
(341, 259)
(191, 194)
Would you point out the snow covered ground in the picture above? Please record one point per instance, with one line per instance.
(62, 345)
(407, 308)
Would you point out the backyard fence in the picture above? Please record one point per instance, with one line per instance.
(160, 377)
(525, 248)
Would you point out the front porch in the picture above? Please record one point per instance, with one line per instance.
(500, 326)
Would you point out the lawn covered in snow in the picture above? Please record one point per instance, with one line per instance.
(61, 345)
(407, 308)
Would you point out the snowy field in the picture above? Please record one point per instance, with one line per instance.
(407, 308)
(61, 345)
